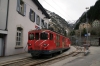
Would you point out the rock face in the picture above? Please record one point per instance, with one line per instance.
(58, 24)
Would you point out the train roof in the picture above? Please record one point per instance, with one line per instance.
(45, 30)
(39, 30)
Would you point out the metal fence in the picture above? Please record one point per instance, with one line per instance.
(79, 41)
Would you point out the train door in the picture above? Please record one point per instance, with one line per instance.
(57, 41)
(1, 47)
(31, 39)
(62, 42)
(51, 36)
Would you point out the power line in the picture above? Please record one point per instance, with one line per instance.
(60, 7)
(54, 8)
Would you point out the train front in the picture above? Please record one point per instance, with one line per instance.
(38, 43)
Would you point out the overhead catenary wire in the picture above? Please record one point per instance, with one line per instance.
(53, 7)
(60, 8)
(50, 5)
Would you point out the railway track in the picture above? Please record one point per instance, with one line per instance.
(33, 62)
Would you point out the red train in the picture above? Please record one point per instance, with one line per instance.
(46, 42)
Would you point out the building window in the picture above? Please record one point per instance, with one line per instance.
(37, 20)
(42, 23)
(45, 25)
(19, 36)
(21, 7)
(32, 15)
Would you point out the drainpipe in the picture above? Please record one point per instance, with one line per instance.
(7, 15)
(6, 28)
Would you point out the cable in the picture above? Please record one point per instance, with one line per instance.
(26, 48)
(54, 8)
(60, 7)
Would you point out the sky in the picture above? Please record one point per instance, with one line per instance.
(70, 10)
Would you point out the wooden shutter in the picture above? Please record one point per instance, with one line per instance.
(34, 16)
(18, 5)
(24, 9)
(30, 14)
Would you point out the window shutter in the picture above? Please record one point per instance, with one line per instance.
(24, 9)
(30, 14)
(18, 5)
(34, 16)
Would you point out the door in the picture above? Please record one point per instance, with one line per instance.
(1, 47)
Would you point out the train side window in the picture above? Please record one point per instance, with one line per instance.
(31, 36)
(51, 36)
(36, 36)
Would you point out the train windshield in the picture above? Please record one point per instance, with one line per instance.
(36, 36)
(44, 36)
(31, 36)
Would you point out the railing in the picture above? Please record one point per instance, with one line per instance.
(93, 41)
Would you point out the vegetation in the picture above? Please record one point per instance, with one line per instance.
(84, 32)
(72, 33)
(92, 14)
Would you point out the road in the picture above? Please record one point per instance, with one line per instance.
(92, 59)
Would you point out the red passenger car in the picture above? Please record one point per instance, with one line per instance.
(46, 42)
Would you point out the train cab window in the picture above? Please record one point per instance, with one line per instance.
(31, 36)
(36, 36)
(51, 36)
(44, 36)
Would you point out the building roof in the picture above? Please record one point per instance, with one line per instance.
(41, 8)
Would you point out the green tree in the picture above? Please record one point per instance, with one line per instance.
(72, 33)
(84, 32)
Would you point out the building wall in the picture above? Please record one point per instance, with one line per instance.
(3, 13)
(17, 20)
(84, 25)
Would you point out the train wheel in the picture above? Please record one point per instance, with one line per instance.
(50, 56)
(60, 51)
(32, 55)
(35, 56)
(69, 46)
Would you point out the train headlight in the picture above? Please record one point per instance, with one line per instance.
(45, 44)
(29, 44)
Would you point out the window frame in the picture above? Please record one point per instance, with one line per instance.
(43, 36)
(37, 20)
(45, 25)
(19, 36)
(30, 15)
(32, 36)
(42, 23)
(19, 7)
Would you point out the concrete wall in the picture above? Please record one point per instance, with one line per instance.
(3, 13)
(17, 20)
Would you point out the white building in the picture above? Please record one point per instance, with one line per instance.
(96, 24)
(84, 25)
(17, 17)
